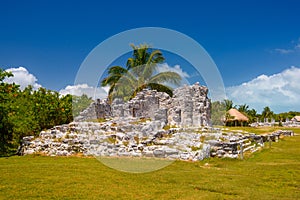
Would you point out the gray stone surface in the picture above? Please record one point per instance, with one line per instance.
(89, 138)
(189, 106)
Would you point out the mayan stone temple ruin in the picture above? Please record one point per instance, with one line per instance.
(189, 107)
(152, 124)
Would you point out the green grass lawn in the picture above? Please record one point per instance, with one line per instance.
(262, 130)
(270, 174)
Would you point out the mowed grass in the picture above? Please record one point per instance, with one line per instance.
(263, 130)
(270, 174)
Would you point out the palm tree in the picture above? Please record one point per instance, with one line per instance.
(228, 104)
(136, 80)
(142, 56)
(243, 108)
(252, 114)
(139, 74)
(267, 113)
(114, 75)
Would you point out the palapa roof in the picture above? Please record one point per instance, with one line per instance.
(236, 115)
(297, 118)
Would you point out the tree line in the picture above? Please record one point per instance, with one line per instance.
(219, 108)
(27, 112)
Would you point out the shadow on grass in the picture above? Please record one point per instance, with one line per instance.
(134, 165)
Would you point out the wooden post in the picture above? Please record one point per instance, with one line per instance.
(270, 142)
(242, 151)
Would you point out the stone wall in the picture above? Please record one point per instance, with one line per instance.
(96, 110)
(189, 106)
(234, 144)
(144, 139)
(269, 124)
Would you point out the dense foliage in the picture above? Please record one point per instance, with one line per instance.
(219, 109)
(27, 112)
(80, 103)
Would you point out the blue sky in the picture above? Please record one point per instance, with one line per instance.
(246, 39)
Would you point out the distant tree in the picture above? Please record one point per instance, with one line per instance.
(243, 108)
(7, 93)
(80, 103)
(252, 115)
(27, 112)
(285, 115)
(267, 113)
(228, 104)
(66, 105)
(218, 113)
(114, 75)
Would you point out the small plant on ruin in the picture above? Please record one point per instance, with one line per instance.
(194, 148)
(125, 143)
(112, 140)
(149, 143)
(114, 124)
(57, 139)
(67, 136)
(168, 127)
(101, 120)
(136, 139)
(144, 138)
(140, 121)
(202, 138)
(144, 120)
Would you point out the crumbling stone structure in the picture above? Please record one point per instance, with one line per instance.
(189, 107)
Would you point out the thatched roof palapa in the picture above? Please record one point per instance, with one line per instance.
(235, 115)
(296, 119)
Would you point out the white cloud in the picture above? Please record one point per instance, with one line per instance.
(80, 89)
(284, 51)
(166, 68)
(22, 77)
(279, 91)
(295, 47)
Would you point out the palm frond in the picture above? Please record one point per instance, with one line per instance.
(169, 77)
(125, 86)
(155, 57)
(115, 73)
(117, 70)
(148, 71)
(130, 63)
(138, 74)
(160, 88)
(110, 80)
(137, 90)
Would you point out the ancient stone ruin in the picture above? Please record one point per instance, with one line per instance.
(189, 107)
(127, 139)
(152, 124)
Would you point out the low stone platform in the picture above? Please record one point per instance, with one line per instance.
(144, 138)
